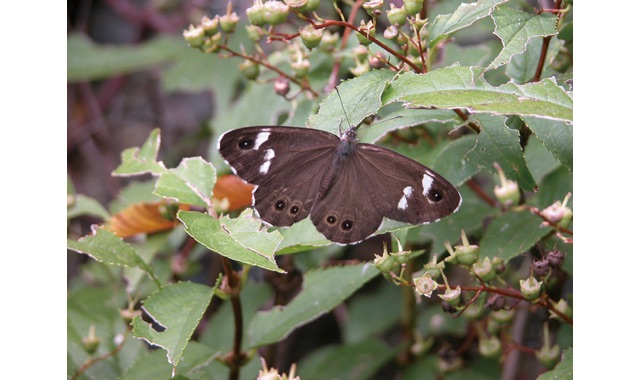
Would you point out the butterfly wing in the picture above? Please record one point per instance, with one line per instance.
(374, 183)
(287, 164)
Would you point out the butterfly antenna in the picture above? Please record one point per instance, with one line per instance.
(343, 110)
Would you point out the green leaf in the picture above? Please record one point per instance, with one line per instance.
(241, 239)
(359, 96)
(178, 308)
(465, 15)
(563, 370)
(301, 236)
(522, 67)
(105, 247)
(356, 361)
(512, 233)
(501, 144)
(451, 164)
(515, 28)
(83, 205)
(404, 119)
(142, 160)
(557, 136)
(152, 365)
(385, 301)
(539, 160)
(87, 60)
(322, 290)
(462, 87)
(191, 182)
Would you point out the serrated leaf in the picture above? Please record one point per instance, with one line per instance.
(301, 236)
(242, 239)
(451, 164)
(404, 119)
(556, 135)
(465, 15)
(511, 234)
(105, 247)
(191, 182)
(501, 144)
(359, 96)
(143, 159)
(87, 60)
(563, 370)
(83, 205)
(515, 28)
(322, 290)
(178, 308)
(539, 160)
(356, 361)
(144, 218)
(462, 87)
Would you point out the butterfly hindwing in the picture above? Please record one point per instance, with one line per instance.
(412, 192)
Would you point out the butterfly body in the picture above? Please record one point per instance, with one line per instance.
(346, 187)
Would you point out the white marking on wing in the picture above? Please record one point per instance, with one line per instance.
(427, 180)
(268, 156)
(260, 139)
(404, 201)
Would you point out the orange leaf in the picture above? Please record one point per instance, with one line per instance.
(236, 191)
(144, 218)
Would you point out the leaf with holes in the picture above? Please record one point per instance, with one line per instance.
(177, 308)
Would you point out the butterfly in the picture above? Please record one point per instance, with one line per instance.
(345, 186)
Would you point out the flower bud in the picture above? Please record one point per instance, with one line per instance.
(296, 5)
(451, 296)
(447, 307)
(256, 13)
(502, 316)
(412, 6)
(194, 36)
(360, 68)
(228, 22)
(368, 29)
(210, 26)
(549, 356)
(300, 68)
(466, 253)
(540, 267)
(559, 214)
(391, 32)
(433, 267)
(484, 270)
(530, 288)
(254, 32)
(249, 69)
(361, 52)
(425, 285)
(275, 12)
(373, 7)
(281, 86)
(329, 41)
(496, 302)
(385, 263)
(312, 5)
(490, 347)
(91, 342)
(563, 307)
(212, 43)
(310, 37)
(397, 16)
(555, 258)
(508, 192)
(377, 61)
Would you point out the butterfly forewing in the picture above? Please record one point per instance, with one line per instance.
(285, 163)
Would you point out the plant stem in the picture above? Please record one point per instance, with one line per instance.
(237, 357)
